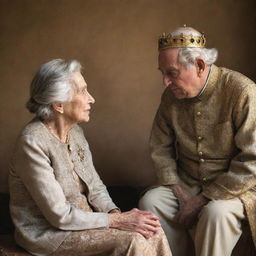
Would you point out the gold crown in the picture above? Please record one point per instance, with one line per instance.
(180, 41)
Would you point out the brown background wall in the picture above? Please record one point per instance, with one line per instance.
(115, 40)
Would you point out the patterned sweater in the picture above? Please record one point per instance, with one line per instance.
(45, 200)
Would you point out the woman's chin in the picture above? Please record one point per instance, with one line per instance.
(86, 119)
(83, 120)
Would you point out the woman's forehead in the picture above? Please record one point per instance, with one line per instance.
(79, 80)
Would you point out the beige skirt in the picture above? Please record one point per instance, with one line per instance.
(109, 241)
(112, 242)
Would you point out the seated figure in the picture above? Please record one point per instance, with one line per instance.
(203, 145)
(58, 203)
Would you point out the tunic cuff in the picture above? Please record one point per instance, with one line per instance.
(216, 192)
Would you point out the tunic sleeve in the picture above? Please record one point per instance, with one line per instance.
(241, 175)
(33, 166)
(162, 144)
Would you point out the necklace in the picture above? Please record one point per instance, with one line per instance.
(55, 134)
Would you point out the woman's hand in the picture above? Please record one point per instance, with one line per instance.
(143, 222)
(116, 210)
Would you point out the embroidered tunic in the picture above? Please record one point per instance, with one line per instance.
(210, 140)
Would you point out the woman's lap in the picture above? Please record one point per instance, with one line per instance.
(112, 242)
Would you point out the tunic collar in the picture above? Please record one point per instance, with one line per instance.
(202, 90)
(209, 86)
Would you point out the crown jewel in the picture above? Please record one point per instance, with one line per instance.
(180, 41)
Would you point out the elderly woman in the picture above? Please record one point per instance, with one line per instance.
(59, 204)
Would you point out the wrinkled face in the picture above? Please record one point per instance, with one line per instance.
(183, 81)
(78, 109)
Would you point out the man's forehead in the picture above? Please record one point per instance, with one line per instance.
(168, 59)
(171, 53)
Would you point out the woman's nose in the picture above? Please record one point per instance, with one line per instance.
(91, 99)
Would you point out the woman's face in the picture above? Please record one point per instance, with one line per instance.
(78, 109)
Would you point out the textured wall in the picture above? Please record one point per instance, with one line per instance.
(115, 40)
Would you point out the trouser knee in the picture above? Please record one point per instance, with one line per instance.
(216, 211)
(149, 200)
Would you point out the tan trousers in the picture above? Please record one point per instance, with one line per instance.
(216, 233)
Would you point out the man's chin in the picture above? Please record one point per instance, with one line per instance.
(179, 96)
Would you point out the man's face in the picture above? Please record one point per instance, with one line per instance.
(184, 82)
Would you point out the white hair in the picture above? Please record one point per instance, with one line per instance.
(189, 55)
(52, 83)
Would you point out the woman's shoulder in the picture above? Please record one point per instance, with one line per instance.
(33, 127)
(32, 138)
(34, 131)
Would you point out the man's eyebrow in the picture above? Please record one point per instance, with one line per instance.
(172, 69)
(169, 69)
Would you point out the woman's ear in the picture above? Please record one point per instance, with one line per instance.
(58, 107)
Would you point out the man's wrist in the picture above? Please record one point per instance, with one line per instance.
(202, 199)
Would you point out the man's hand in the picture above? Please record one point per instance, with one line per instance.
(189, 207)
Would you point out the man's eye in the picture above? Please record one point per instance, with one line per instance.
(173, 74)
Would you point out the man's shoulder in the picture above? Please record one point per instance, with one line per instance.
(235, 79)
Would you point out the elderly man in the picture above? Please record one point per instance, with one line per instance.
(203, 145)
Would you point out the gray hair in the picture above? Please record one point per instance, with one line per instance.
(189, 55)
(52, 83)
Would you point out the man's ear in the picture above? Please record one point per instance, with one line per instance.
(200, 66)
(58, 107)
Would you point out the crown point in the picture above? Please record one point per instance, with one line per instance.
(184, 25)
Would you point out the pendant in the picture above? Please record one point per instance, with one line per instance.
(80, 153)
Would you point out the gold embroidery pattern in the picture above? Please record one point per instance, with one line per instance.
(112, 242)
(81, 153)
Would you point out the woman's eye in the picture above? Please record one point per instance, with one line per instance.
(83, 91)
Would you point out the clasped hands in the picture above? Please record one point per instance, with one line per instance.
(143, 222)
(189, 206)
